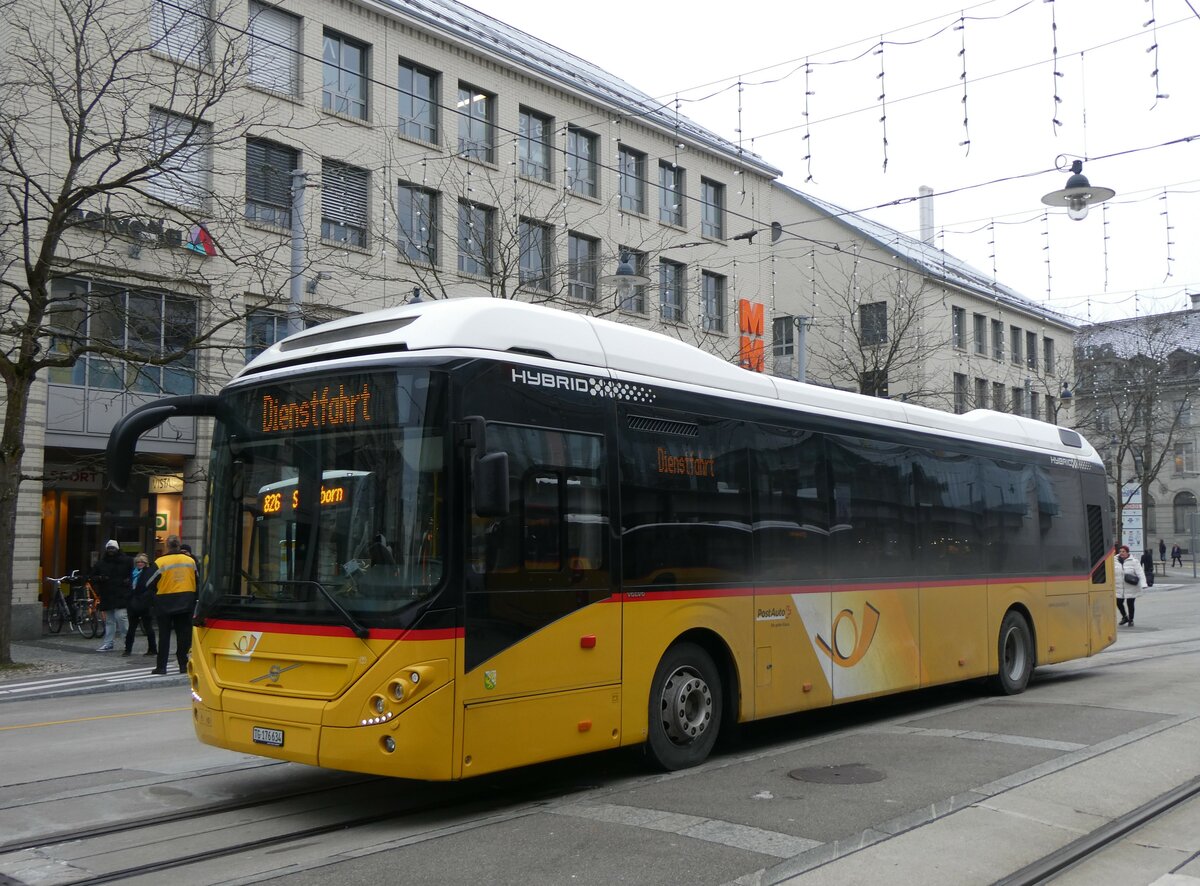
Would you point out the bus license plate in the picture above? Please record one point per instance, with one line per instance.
(273, 737)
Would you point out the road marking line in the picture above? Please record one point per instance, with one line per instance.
(711, 830)
(100, 717)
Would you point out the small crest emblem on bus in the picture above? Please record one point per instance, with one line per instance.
(489, 680)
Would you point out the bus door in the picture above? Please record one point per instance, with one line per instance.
(792, 528)
(542, 639)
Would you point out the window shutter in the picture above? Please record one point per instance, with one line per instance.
(274, 41)
(344, 195)
(183, 177)
(269, 172)
(181, 29)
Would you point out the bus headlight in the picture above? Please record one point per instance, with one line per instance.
(379, 704)
(398, 690)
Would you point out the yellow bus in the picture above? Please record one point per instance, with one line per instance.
(461, 536)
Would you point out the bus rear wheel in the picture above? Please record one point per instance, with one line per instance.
(1015, 654)
(685, 707)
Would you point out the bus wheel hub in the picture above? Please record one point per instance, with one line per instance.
(687, 706)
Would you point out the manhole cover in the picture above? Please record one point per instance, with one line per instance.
(843, 773)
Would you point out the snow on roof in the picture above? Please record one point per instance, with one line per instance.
(1151, 335)
(935, 263)
(530, 53)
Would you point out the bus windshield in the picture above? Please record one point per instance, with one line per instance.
(327, 500)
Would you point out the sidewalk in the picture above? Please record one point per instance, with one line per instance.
(68, 664)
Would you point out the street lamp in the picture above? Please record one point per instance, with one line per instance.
(626, 277)
(1079, 194)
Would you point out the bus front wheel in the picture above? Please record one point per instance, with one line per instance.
(1015, 654)
(685, 707)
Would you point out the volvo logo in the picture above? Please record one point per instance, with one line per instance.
(274, 673)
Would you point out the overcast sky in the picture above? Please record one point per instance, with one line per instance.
(988, 210)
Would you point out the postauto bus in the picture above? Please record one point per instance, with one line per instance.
(455, 537)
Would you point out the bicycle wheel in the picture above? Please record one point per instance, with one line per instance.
(54, 618)
(91, 625)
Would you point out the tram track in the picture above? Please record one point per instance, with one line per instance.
(1093, 844)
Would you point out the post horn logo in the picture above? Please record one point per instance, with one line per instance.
(862, 639)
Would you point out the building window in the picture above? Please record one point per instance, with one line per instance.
(1185, 511)
(1051, 409)
(872, 319)
(416, 213)
(418, 102)
(476, 110)
(581, 162)
(344, 209)
(1014, 335)
(534, 144)
(1035, 407)
(635, 301)
(873, 383)
(581, 267)
(474, 239)
(269, 182)
(981, 393)
(670, 193)
(981, 326)
(536, 248)
(264, 328)
(1031, 350)
(274, 54)
(998, 340)
(999, 401)
(1048, 356)
(958, 328)
(783, 336)
(712, 206)
(1185, 458)
(713, 291)
(631, 180)
(670, 290)
(148, 323)
(182, 29)
(960, 393)
(344, 90)
(1018, 401)
(183, 178)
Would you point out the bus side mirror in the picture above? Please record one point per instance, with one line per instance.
(491, 485)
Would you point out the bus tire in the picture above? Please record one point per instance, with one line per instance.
(685, 708)
(1015, 655)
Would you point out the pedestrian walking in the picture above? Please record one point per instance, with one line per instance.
(110, 579)
(174, 581)
(141, 598)
(1130, 581)
(1162, 554)
(1148, 567)
(1176, 554)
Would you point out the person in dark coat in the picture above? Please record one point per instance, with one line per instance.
(1176, 554)
(141, 598)
(110, 579)
(1148, 567)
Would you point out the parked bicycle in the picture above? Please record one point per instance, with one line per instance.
(64, 610)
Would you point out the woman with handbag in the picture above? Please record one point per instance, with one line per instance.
(1131, 579)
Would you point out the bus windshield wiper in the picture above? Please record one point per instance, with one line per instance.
(350, 621)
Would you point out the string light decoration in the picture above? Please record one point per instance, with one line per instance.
(1153, 48)
(882, 102)
(1104, 240)
(1055, 122)
(808, 92)
(962, 54)
(991, 228)
(1168, 229)
(1046, 249)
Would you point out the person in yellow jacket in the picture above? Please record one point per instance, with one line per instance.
(174, 585)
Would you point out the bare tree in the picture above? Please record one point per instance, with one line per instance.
(107, 143)
(874, 332)
(1134, 385)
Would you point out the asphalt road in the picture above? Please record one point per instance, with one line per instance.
(949, 786)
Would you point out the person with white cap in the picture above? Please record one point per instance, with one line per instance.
(110, 578)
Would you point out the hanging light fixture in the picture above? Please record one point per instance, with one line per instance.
(626, 276)
(1079, 194)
